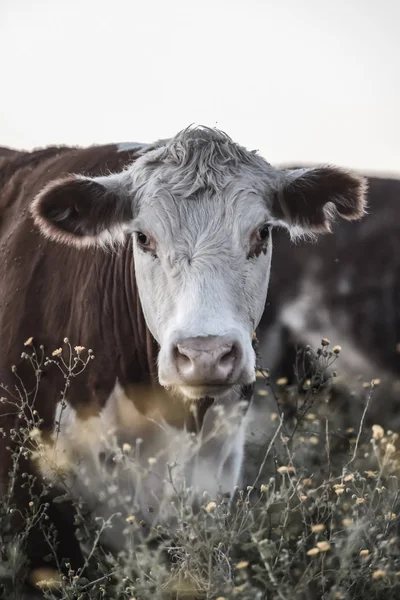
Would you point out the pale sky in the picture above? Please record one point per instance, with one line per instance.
(303, 81)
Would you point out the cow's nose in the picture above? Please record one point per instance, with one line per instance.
(211, 359)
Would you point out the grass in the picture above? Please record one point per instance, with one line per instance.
(317, 518)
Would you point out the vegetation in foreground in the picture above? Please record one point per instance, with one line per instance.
(317, 520)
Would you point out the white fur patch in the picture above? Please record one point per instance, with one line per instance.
(148, 460)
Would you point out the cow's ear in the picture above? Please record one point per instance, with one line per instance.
(308, 200)
(81, 211)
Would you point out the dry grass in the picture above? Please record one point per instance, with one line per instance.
(318, 518)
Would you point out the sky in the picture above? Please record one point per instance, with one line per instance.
(302, 81)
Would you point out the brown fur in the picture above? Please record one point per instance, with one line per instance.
(301, 202)
(49, 291)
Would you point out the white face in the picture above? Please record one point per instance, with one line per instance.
(202, 268)
(200, 209)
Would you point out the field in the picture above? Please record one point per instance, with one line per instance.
(317, 517)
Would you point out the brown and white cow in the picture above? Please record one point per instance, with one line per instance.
(156, 257)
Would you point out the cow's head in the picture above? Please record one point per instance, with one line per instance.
(201, 209)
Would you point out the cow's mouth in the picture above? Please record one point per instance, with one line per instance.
(198, 392)
(182, 411)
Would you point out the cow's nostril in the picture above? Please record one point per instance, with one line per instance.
(209, 359)
(182, 356)
(229, 356)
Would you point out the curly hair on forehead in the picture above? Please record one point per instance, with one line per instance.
(202, 133)
(200, 158)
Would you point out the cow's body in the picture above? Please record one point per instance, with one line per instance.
(50, 292)
(72, 269)
(346, 288)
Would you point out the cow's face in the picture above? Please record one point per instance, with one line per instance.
(201, 210)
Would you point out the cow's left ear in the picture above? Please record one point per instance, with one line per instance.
(308, 200)
(81, 211)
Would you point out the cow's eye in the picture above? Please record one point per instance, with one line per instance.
(263, 233)
(146, 242)
(142, 239)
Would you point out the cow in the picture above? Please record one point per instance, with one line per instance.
(155, 260)
(346, 287)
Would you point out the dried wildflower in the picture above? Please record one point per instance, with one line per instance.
(366, 384)
(130, 519)
(126, 448)
(57, 352)
(79, 349)
(349, 477)
(377, 432)
(313, 440)
(390, 449)
(262, 393)
(311, 416)
(347, 522)
(28, 342)
(307, 481)
(303, 497)
(318, 528)
(282, 381)
(274, 416)
(211, 506)
(242, 564)
(390, 516)
(360, 501)
(325, 342)
(47, 583)
(152, 460)
(284, 469)
(378, 574)
(45, 577)
(323, 546)
(371, 474)
(364, 552)
(313, 552)
(264, 488)
(376, 382)
(336, 349)
(35, 433)
(339, 491)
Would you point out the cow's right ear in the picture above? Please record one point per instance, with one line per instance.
(80, 211)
